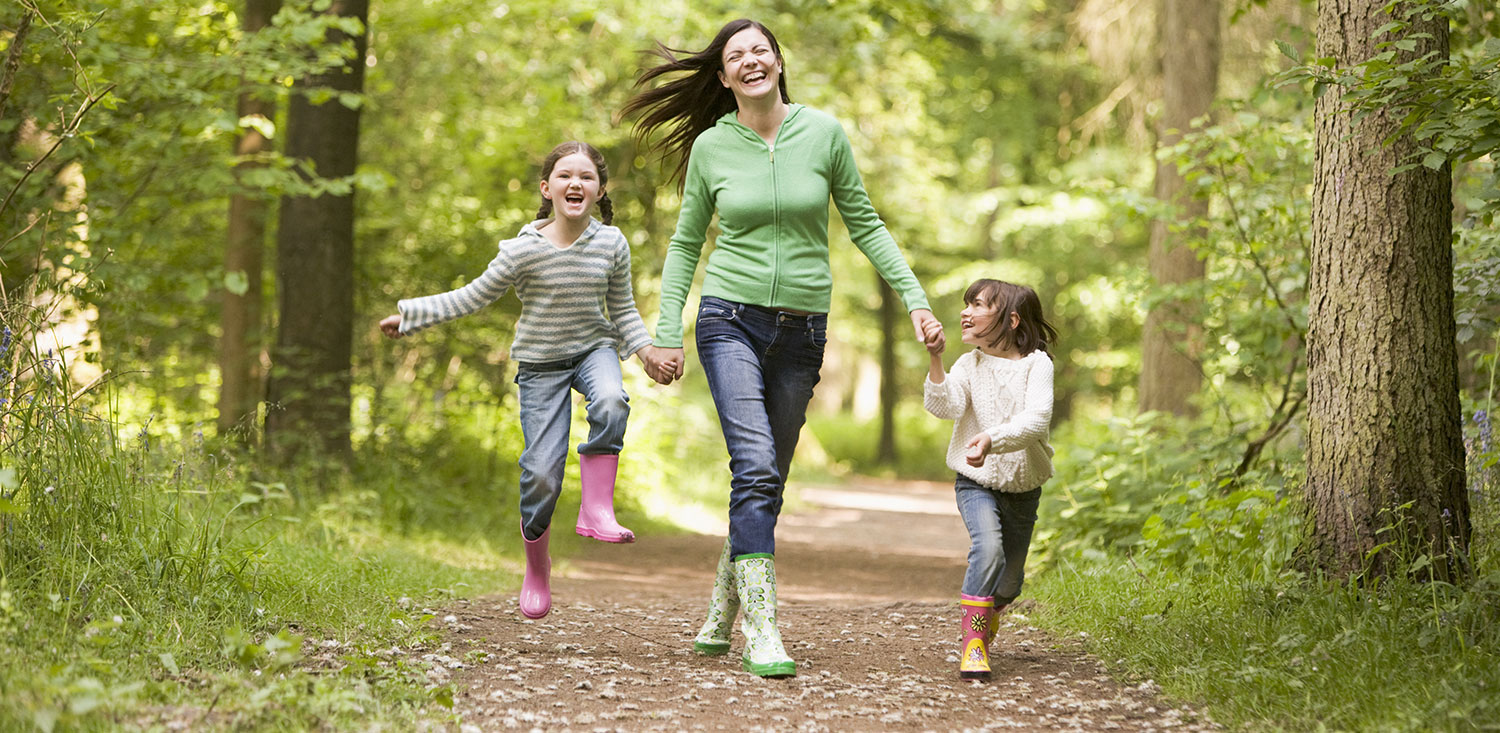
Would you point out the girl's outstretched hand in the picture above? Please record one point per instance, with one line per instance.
(391, 326)
(929, 330)
(979, 445)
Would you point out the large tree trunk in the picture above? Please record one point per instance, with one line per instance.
(1189, 37)
(890, 308)
(1385, 457)
(309, 386)
(240, 341)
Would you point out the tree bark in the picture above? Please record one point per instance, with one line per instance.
(890, 310)
(1385, 457)
(240, 317)
(309, 389)
(1170, 373)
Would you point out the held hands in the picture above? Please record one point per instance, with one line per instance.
(391, 326)
(929, 330)
(978, 446)
(661, 364)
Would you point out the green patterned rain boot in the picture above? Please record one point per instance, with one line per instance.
(723, 606)
(755, 580)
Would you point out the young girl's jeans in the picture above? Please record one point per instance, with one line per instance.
(546, 392)
(1000, 526)
(761, 366)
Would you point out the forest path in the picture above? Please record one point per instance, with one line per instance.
(868, 577)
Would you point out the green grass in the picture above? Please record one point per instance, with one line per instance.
(1292, 656)
(149, 575)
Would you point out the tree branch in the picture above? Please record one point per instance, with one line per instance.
(64, 135)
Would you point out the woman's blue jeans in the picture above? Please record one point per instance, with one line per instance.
(1000, 525)
(761, 365)
(546, 394)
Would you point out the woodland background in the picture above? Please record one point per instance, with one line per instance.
(1265, 230)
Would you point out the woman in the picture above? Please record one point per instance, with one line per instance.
(768, 167)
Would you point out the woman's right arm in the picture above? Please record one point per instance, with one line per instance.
(685, 249)
(420, 313)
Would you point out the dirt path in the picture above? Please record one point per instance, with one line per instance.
(868, 580)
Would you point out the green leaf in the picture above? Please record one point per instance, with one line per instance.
(169, 662)
(237, 282)
(1289, 50)
(1434, 159)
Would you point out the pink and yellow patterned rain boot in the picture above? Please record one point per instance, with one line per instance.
(974, 659)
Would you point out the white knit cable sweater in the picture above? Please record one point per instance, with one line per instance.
(1011, 399)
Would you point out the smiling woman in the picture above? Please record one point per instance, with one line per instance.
(762, 321)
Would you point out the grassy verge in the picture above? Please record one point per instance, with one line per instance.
(1294, 656)
(150, 578)
(1175, 580)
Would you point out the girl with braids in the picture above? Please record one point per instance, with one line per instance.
(768, 168)
(578, 321)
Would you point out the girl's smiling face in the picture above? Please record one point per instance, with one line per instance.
(573, 187)
(751, 69)
(978, 320)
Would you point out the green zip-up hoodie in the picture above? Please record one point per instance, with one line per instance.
(772, 248)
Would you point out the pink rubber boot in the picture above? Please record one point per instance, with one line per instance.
(596, 513)
(536, 588)
(974, 661)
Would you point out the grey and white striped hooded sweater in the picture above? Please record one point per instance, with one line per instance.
(573, 299)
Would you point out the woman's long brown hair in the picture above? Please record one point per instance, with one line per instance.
(690, 104)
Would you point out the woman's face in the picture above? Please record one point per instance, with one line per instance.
(573, 186)
(751, 69)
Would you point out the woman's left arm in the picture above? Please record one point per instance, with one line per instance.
(867, 230)
(1030, 425)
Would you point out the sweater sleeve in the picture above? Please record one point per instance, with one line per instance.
(685, 249)
(621, 303)
(427, 311)
(947, 401)
(1031, 423)
(865, 227)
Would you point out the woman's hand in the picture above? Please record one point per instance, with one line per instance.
(662, 365)
(391, 326)
(929, 330)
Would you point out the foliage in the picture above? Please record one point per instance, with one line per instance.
(1287, 653)
(142, 576)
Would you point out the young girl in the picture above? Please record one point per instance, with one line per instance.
(1000, 398)
(578, 321)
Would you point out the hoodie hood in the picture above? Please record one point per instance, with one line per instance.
(731, 121)
(534, 229)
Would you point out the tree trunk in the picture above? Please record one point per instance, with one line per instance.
(890, 310)
(310, 380)
(1170, 374)
(240, 341)
(1385, 457)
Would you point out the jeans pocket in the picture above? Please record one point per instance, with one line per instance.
(818, 335)
(715, 311)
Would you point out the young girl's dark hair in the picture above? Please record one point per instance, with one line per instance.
(1033, 333)
(690, 104)
(606, 207)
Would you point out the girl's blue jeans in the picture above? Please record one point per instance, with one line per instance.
(761, 366)
(1000, 525)
(546, 394)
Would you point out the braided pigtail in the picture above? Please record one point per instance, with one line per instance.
(606, 209)
(546, 210)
